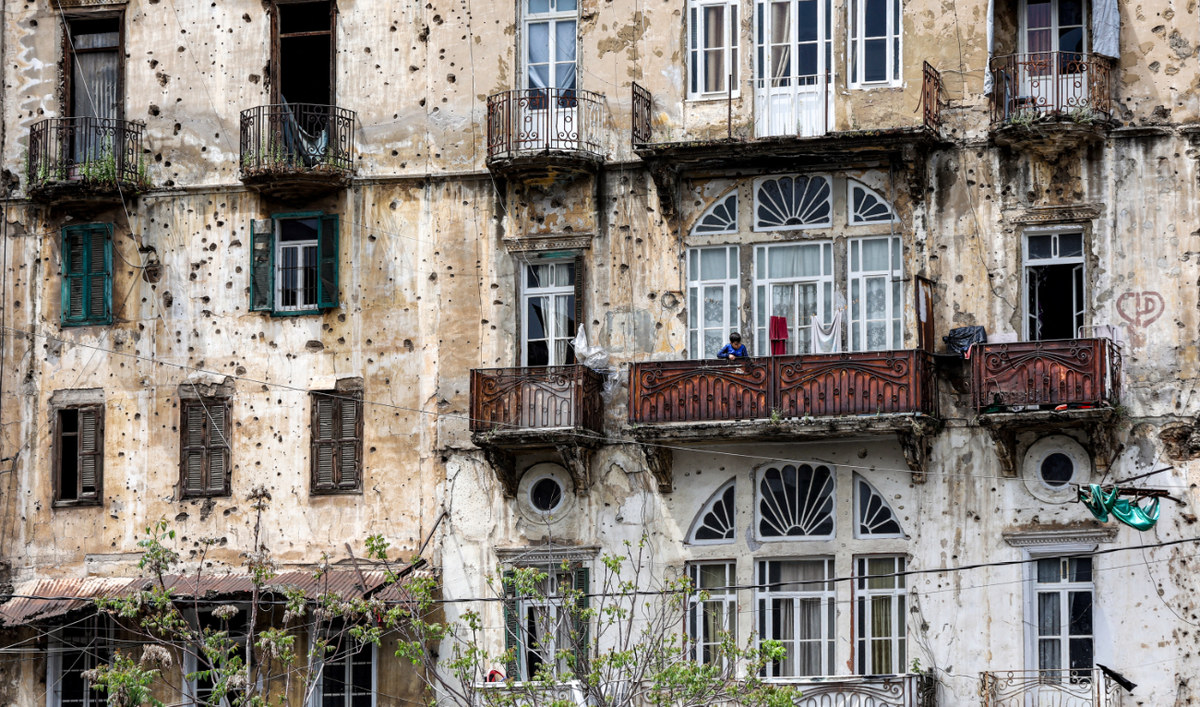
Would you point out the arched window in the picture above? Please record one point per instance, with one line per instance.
(721, 217)
(796, 502)
(874, 518)
(866, 205)
(714, 523)
(782, 203)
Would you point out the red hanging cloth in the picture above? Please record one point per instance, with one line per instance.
(778, 333)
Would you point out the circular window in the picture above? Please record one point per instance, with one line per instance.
(546, 494)
(1054, 466)
(1057, 469)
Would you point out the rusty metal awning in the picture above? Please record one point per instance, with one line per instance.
(40, 600)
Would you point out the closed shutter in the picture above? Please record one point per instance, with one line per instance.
(73, 274)
(192, 417)
(327, 252)
(91, 451)
(348, 459)
(512, 628)
(98, 279)
(579, 615)
(323, 442)
(577, 315)
(218, 448)
(262, 264)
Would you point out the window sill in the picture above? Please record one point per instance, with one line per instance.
(713, 97)
(97, 503)
(876, 85)
(202, 496)
(299, 312)
(90, 322)
(335, 492)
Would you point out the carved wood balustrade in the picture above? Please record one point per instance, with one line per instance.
(1074, 372)
(536, 398)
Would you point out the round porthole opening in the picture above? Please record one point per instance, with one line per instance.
(1057, 469)
(546, 494)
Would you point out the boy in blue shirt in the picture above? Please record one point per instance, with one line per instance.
(734, 349)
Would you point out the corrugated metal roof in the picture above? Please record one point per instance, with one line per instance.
(39, 600)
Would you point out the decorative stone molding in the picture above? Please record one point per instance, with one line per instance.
(74, 4)
(1059, 536)
(528, 244)
(1059, 214)
(541, 554)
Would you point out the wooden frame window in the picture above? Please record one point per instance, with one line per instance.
(78, 455)
(304, 48)
(204, 447)
(294, 263)
(87, 274)
(337, 442)
(94, 66)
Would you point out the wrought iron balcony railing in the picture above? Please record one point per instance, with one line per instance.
(297, 138)
(1073, 372)
(816, 385)
(1038, 86)
(98, 154)
(932, 91)
(536, 398)
(532, 121)
(1048, 688)
(912, 690)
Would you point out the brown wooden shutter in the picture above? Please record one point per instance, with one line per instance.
(579, 279)
(91, 451)
(348, 460)
(323, 442)
(218, 447)
(192, 419)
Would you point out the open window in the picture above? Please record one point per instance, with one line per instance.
(294, 264)
(78, 455)
(551, 300)
(1054, 286)
(93, 80)
(304, 66)
(544, 622)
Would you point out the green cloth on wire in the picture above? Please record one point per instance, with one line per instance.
(1102, 503)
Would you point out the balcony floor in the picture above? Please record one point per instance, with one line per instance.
(810, 429)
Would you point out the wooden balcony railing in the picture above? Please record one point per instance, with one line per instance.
(1073, 372)
(817, 385)
(1051, 85)
(536, 398)
(912, 690)
(533, 121)
(297, 138)
(1060, 688)
(93, 153)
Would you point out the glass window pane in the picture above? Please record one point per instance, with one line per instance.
(1040, 247)
(875, 18)
(875, 60)
(1048, 570)
(1070, 245)
(712, 264)
(1049, 621)
(565, 6)
(712, 576)
(713, 341)
(1049, 654)
(536, 313)
(564, 38)
(1080, 569)
(806, 21)
(875, 254)
(538, 6)
(1080, 607)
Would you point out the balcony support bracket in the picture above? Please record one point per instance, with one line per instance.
(1100, 426)
(505, 465)
(658, 462)
(576, 459)
(917, 443)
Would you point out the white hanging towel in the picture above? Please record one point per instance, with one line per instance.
(827, 338)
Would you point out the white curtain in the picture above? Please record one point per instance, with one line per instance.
(1106, 28)
(991, 47)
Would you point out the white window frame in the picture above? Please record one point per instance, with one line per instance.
(858, 481)
(697, 67)
(551, 294)
(300, 246)
(317, 699)
(551, 18)
(1079, 307)
(718, 496)
(894, 293)
(827, 594)
(756, 185)
(1061, 550)
(1023, 28)
(897, 596)
(731, 291)
(724, 597)
(797, 332)
(96, 626)
(852, 219)
(758, 500)
(856, 42)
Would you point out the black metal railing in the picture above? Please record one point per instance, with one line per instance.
(932, 91)
(297, 138)
(640, 130)
(541, 120)
(99, 153)
(1051, 85)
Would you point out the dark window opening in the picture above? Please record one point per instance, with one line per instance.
(546, 494)
(94, 94)
(306, 56)
(1057, 469)
(1055, 301)
(79, 452)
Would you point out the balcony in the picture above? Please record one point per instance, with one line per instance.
(85, 160)
(912, 690)
(544, 129)
(297, 151)
(816, 396)
(1047, 386)
(523, 409)
(528, 694)
(1050, 99)
(1048, 688)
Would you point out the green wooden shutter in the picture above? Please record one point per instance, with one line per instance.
(578, 313)
(512, 628)
(323, 442)
(74, 249)
(327, 254)
(350, 445)
(91, 451)
(582, 649)
(218, 448)
(99, 288)
(192, 419)
(262, 265)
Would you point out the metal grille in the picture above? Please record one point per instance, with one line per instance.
(95, 152)
(1058, 85)
(640, 131)
(297, 137)
(537, 120)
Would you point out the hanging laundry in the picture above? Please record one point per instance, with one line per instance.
(827, 338)
(1103, 503)
(778, 332)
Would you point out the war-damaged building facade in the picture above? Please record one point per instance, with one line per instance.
(458, 274)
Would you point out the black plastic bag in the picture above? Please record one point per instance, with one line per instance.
(960, 339)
